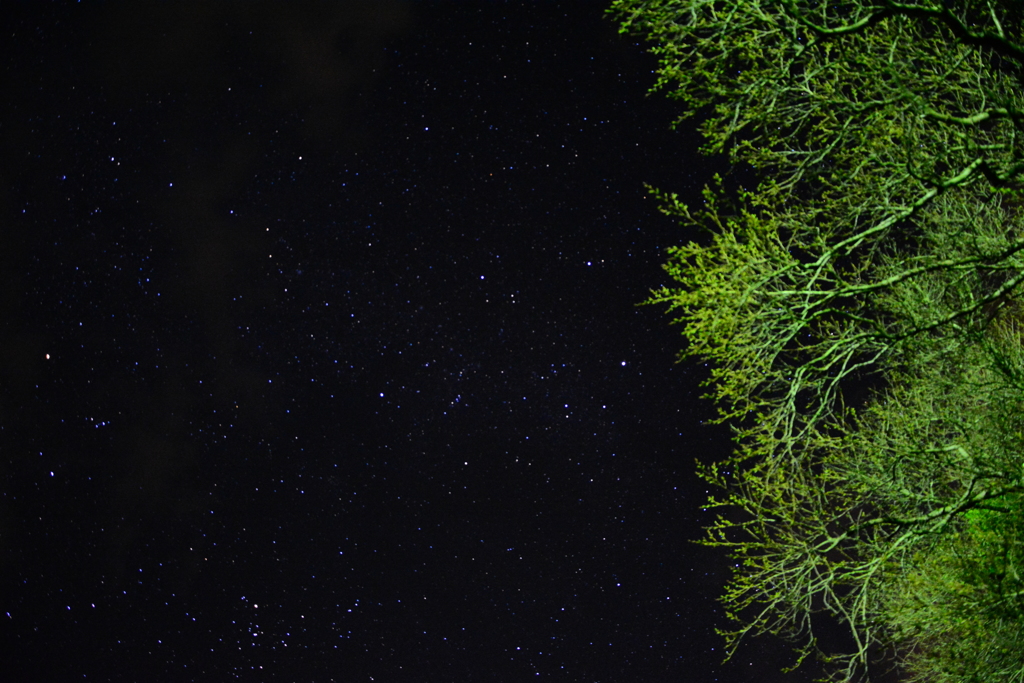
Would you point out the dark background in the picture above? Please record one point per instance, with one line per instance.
(320, 358)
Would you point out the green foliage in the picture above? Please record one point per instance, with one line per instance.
(861, 310)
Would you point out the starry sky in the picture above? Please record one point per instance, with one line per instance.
(321, 358)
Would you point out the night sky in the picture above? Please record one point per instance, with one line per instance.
(320, 354)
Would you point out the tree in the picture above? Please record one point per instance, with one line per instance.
(883, 248)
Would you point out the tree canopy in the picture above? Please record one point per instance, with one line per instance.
(862, 311)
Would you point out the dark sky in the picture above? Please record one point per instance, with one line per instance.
(320, 358)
